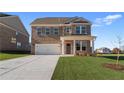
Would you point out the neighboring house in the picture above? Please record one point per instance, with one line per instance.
(103, 50)
(13, 35)
(62, 35)
(116, 50)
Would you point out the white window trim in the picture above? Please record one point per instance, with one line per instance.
(66, 30)
(38, 28)
(13, 40)
(46, 31)
(38, 31)
(80, 29)
(81, 44)
(84, 30)
(54, 30)
(18, 44)
(76, 30)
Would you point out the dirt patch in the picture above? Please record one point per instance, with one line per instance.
(118, 67)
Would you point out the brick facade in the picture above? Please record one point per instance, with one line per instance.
(8, 44)
(53, 39)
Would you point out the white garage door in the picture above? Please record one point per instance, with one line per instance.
(47, 49)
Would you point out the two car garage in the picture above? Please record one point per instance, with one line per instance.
(47, 49)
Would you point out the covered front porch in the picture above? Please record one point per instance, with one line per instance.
(77, 44)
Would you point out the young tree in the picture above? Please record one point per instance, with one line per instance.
(118, 44)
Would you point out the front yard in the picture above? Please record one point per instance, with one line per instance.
(87, 68)
(4, 56)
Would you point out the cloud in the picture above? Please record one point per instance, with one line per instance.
(108, 20)
(96, 25)
(111, 18)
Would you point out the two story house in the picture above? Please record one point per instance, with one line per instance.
(103, 50)
(62, 35)
(13, 35)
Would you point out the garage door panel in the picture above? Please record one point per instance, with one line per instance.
(47, 49)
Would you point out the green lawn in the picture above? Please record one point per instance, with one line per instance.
(109, 54)
(4, 56)
(86, 68)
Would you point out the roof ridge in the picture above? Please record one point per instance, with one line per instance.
(58, 20)
(52, 17)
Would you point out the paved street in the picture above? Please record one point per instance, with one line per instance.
(35, 67)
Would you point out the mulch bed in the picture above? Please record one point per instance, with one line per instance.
(117, 67)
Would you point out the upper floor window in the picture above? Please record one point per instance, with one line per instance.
(81, 30)
(47, 31)
(39, 30)
(55, 31)
(68, 30)
(78, 30)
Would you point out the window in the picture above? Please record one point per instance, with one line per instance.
(77, 45)
(81, 45)
(17, 33)
(13, 40)
(68, 30)
(84, 45)
(81, 30)
(47, 31)
(18, 45)
(78, 30)
(39, 31)
(83, 48)
(55, 31)
(38, 28)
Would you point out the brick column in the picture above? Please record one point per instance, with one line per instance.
(74, 48)
(80, 45)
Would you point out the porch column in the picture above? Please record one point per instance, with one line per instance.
(74, 48)
(63, 47)
(80, 45)
(92, 46)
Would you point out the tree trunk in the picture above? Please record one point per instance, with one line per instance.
(118, 58)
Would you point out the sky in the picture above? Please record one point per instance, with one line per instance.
(106, 26)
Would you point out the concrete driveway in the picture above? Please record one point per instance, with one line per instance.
(35, 67)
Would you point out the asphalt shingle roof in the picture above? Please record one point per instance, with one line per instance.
(14, 22)
(4, 15)
(58, 20)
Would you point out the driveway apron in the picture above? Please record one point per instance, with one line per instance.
(35, 67)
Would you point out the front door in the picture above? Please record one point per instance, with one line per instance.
(68, 48)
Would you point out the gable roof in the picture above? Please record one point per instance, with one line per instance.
(13, 22)
(59, 20)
